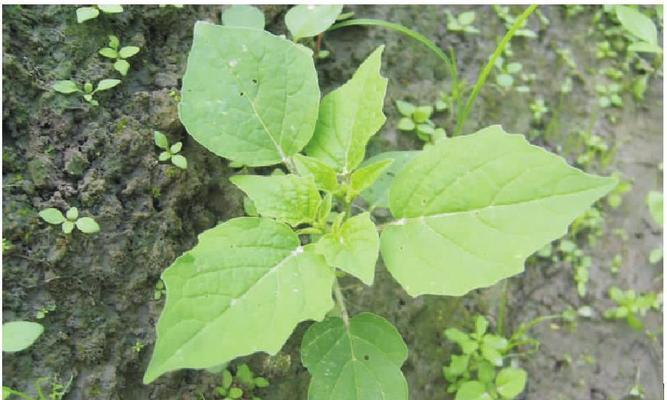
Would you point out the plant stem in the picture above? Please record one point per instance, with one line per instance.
(518, 23)
(502, 311)
(341, 304)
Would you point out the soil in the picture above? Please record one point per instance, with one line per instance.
(98, 290)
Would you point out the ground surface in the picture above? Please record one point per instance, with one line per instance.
(98, 290)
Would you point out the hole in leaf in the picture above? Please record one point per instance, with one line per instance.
(241, 93)
(254, 81)
(366, 357)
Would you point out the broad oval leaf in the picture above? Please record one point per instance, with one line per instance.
(19, 335)
(52, 216)
(472, 390)
(287, 198)
(83, 14)
(128, 51)
(359, 362)
(87, 225)
(638, 24)
(110, 8)
(248, 95)
(65, 87)
(106, 84)
(349, 116)
(243, 16)
(473, 208)
(378, 194)
(121, 66)
(242, 289)
(510, 382)
(310, 20)
(353, 247)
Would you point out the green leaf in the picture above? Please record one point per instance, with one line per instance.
(311, 20)
(654, 200)
(405, 108)
(52, 216)
(472, 390)
(235, 393)
(261, 382)
(514, 67)
(176, 147)
(179, 161)
(110, 8)
(108, 52)
(164, 156)
(510, 382)
(637, 24)
(227, 379)
(357, 363)
(364, 177)
(353, 247)
(349, 116)
(288, 198)
(161, 140)
(114, 42)
(406, 124)
(72, 214)
(243, 16)
(128, 51)
(87, 225)
(492, 355)
(83, 14)
(466, 18)
(242, 289)
(244, 374)
(325, 177)
(481, 324)
(644, 47)
(67, 227)
(422, 114)
(496, 342)
(248, 95)
(481, 205)
(378, 194)
(655, 255)
(19, 335)
(106, 84)
(504, 80)
(121, 66)
(65, 87)
(485, 372)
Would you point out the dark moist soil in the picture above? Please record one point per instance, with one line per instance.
(99, 289)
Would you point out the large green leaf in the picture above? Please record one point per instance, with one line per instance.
(353, 247)
(349, 116)
(471, 209)
(362, 362)
(243, 288)
(287, 198)
(310, 20)
(378, 194)
(19, 335)
(637, 24)
(248, 95)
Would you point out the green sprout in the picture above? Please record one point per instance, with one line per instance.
(138, 346)
(418, 119)
(462, 22)
(605, 50)
(241, 385)
(69, 220)
(538, 108)
(631, 306)
(506, 72)
(170, 152)
(159, 290)
(68, 87)
(83, 14)
(608, 95)
(120, 54)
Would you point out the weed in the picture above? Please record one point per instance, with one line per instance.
(69, 87)
(120, 54)
(170, 152)
(69, 220)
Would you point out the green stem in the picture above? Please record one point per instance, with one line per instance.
(341, 304)
(407, 32)
(502, 311)
(461, 117)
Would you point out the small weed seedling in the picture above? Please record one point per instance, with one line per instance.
(506, 72)
(539, 109)
(120, 54)
(609, 95)
(249, 281)
(170, 152)
(138, 346)
(462, 22)
(69, 87)
(44, 310)
(631, 306)
(84, 14)
(241, 385)
(654, 201)
(159, 290)
(503, 12)
(69, 220)
(418, 119)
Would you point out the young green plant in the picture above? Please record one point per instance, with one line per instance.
(69, 220)
(170, 152)
(120, 54)
(84, 14)
(69, 87)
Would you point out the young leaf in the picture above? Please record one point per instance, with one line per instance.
(128, 51)
(52, 216)
(19, 335)
(87, 225)
(482, 204)
(364, 177)
(83, 14)
(472, 390)
(243, 288)
(176, 147)
(377, 195)
(405, 108)
(510, 382)
(65, 87)
(164, 156)
(121, 66)
(161, 140)
(243, 16)
(67, 227)
(353, 248)
(106, 84)
(108, 52)
(72, 214)
(261, 107)
(654, 200)
(114, 42)
(349, 116)
(359, 362)
(287, 198)
(310, 20)
(325, 176)
(637, 24)
(179, 161)
(110, 8)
